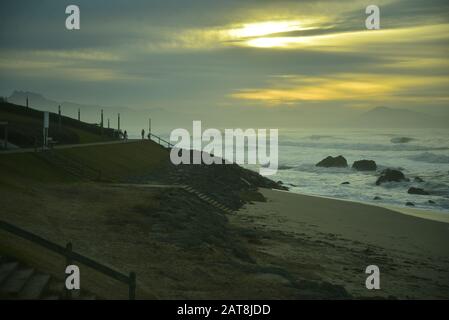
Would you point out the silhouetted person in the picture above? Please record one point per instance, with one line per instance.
(125, 135)
(143, 134)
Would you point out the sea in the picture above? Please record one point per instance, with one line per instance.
(422, 153)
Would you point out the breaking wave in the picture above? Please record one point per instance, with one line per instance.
(430, 157)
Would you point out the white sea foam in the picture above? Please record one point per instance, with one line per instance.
(430, 157)
(425, 156)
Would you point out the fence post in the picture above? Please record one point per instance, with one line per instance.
(6, 136)
(132, 286)
(59, 117)
(68, 256)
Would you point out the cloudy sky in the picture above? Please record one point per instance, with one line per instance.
(229, 57)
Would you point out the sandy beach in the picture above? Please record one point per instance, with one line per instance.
(279, 245)
(336, 240)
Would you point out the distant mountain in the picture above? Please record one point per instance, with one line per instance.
(89, 113)
(19, 97)
(384, 117)
(131, 119)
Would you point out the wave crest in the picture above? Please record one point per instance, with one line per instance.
(430, 158)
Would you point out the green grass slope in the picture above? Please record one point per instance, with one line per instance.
(115, 161)
(25, 127)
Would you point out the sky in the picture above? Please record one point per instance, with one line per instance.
(230, 59)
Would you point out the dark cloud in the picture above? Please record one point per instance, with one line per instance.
(149, 65)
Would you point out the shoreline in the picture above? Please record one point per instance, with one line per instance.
(335, 240)
(428, 214)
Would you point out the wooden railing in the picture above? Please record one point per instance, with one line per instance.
(71, 256)
(159, 140)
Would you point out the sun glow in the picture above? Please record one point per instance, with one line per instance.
(258, 29)
(271, 34)
(341, 87)
(276, 42)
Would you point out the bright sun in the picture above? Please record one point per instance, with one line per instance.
(265, 28)
(264, 34)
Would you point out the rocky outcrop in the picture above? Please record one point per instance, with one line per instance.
(391, 175)
(365, 165)
(339, 162)
(414, 190)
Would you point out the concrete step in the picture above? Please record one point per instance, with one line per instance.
(6, 269)
(208, 199)
(35, 287)
(21, 282)
(16, 281)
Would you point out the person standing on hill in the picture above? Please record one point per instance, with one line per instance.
(125, 135)
(143, 134)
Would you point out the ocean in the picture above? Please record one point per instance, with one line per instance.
(422, 153)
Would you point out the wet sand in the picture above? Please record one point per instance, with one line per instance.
(344, 237)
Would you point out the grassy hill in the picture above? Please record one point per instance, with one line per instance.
(25, 127)
(115, 161)
(128, 228)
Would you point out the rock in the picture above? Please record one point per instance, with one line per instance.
(284, 167)
(280, 182)
(346, 182)
(365, 165)
(410, 204)
(377, 198)
(339, 161)
(401, 139)
(418, 179)
(431, 202)
(414, 190)
(391, 175)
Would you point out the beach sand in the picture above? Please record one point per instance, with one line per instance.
(290, 247)
(335, 240)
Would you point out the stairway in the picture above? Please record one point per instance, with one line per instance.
(71, 166)
(20, 282)
(208, 199)
(187, 188)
